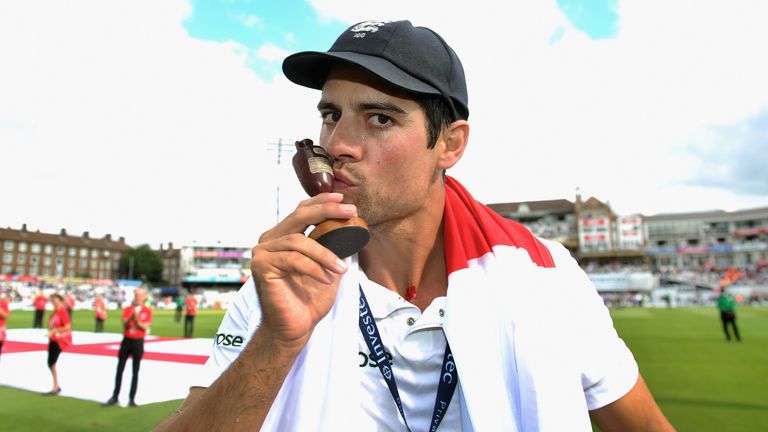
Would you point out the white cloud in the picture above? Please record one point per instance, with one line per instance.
(614, 116)
(271, 53)
(114, 120)
(250, 20)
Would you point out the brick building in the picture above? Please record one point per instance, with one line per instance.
(171, 264)
(26, 252)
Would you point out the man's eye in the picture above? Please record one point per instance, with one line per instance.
(381, 120)
(330, 116)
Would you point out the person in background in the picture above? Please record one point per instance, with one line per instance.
(727, 306)
(190, 304)
(40, 301)
(5, 312)
(59, 337)
(136, 321)
(179, 300)
(99, 312)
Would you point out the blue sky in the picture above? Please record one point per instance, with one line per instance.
(290, 24)
(295, 25)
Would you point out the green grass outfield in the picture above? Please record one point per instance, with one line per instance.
(701, 382)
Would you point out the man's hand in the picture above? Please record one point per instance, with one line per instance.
(296, 278)
(296, 281)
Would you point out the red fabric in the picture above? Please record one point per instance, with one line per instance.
(4, 307)
(99, 309)
(191, 304)
(132, 330)
(40, 302)
(60, 318)
(471, 229)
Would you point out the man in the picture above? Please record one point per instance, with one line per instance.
(190, 304)
(39, 302)
(99, 313)
(465, 320)
(179, 307)
(727, 306)
(136, 321)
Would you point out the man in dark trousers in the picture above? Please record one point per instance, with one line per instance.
(39, 302)
(190, 304)
(136, 321)
(727, 306)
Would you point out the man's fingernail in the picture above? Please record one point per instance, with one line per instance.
(341, 265)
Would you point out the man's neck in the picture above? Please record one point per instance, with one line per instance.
(409, 254)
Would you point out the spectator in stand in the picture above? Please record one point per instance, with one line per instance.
(727, 306)
(100, 313)
(136, 321)
(40, 301)
(190, 304)
(70, 303)
(60, 337)
(4, 313)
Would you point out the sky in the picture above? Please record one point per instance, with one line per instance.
(160, 121)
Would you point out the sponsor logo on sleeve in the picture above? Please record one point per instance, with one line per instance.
(225, 339)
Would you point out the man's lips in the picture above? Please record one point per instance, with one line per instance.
(342, 180)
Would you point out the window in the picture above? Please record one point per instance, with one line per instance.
(71, 263)
(48, 249)
(7, 269)
(21, 259)
(60, 250)
(83, 252)
(22, 246)
(35, 247)
(94, 253)
(73, 251)
(7, 258)
(47, 262)
(106, 254)
(9, 244)
(34, 260)
(83, 264)
(94, 264)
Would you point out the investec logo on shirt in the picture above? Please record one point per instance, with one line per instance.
(228, 340)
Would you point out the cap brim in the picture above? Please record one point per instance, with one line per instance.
(310, 68)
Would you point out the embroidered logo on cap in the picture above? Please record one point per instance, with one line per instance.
(367, 26)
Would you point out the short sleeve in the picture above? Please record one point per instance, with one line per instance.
(240, 321)
(607, 367)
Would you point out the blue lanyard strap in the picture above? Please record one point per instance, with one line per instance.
(449, 376)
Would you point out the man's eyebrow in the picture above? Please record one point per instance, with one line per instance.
(363, 106)
(380, 106)
(325, 105)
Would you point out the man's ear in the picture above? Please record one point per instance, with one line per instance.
(453, 143)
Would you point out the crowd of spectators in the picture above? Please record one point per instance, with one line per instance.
(22, 293)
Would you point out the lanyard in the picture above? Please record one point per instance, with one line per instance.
(449, 376)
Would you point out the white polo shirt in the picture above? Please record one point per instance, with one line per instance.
(415, 343)
(415, 340)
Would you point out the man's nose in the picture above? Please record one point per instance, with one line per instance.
(343, 143)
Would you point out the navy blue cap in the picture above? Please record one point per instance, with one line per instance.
(415, 59)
